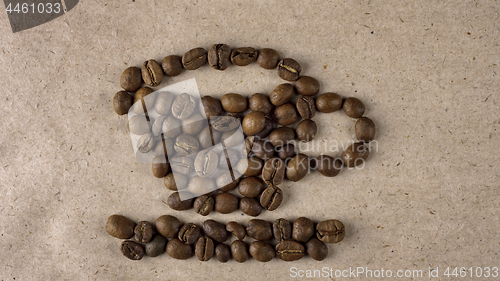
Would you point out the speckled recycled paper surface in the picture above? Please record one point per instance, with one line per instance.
(428, 198)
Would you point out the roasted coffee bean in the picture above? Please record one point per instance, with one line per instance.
(262, 251)
(156, 246)
(268, 127)
(204, 204)
(250, 206)
(205, 137)
(145, 143)
(143, 232)
(138, 125)
(168, 226)
(233, 156)
(211, 106)
(316, 249)
(174, 202)
(193, 124)
(178, 250)
(302, 230)
(225, 181)
(183, 106)
(328, 166)
(122, 101)
(281, 136)
(263, 149)
(178, 182)
(253, 123)
(306, 130)
(244, 56)
(235, 103)
(120, 227)
(251, 187)
(131, 79)
(219, 56)
(297, 168)
(224, 123)
(239, 251)
(206, 163)
(215, 230)
(365, 129)
(307, 86)
(144, 100)
(271, 198)
(355, 154)
(282, 229)
(236, 229)
(186, 144)
(152, 74)
(259, 230)
(328, 102)
(132, 250)
(172, 65)
(182, 165)
(171, 127)
(189, 233)
(268, 58)
(306, 107)
(289, 69)
(157, 127)
(286, 114)
(289, 250)
(160, 166)
(204, 249)
(232, 138)
(353, 107)
(330, 231)
(222, 252)
(163, 104)
(282, 94)
(226, 203)
(194, 58)
(248, 146)
(260, 103)
(273, 171)
(286, 151)
(198, 185)
(250, 167)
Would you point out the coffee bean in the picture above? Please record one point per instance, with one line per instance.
(174, 202)
(144, 100)
(286, 114)
(271, 198)
(168, 226)
(328, 102)
(225, 181)
(181, 165)
(316, 249)
(253, 123)
(289, 69)
(222, 252)
(250, 206)
(157, 127)
(282, 94)
(132, 250)
(244, 56)
(328, 166)
(268, 127)
(273, 171)
(330, 231)
(286, 151)
(248, 146)
(215, 230)
(219, 56)
(163, 104)
(251, 187)
(156, 246)
(353, 107)
(234, 103)
(186, 145)
(306, 107)
(122, 101)
(194, 58)
(259, 230)
(233, 156)
(152, 74)
(289, 250)
(178, 250)
(131, 79)
(307, 86)
(120, 227)
(183, 106)
(306, 130)
(355, 154)
(302, 230)
(260, 103)
(145, 143)
(236, 229)
(204, 249)
(171, 127)
(224, 123)
(138, 125)
(365, 129)
(193, 124)
(268, 58)
(232, 138)
(263, 149)
(239, 251)
(160, 166)
(282, 229)
(178, 182)
(198, 185)
(262, 251)
(143, 232)
(172, 65)
(205, 137)
(297, 168)
(211, 106)
(281, 136)
(189, 233)
(250, 167)
(206, 163)
(226, 203)
(203, 205)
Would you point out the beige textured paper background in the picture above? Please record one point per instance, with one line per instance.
(427, 72)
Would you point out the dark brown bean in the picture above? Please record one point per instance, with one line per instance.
(204, 204)
(156, 246)
(302, 229)
(219, 56)
(286, 114)
(178, 250)
(328, 166)
(250, 167)
(282, 94)
(160, 166)
(306, 107)
(168, 226)
(236, 229)
(282, 229)
(120, 227)
(251, 187)
(152, 74)
(273, 171)
(297, 168)
(269, 126)
(131, 79)
(253, 123)
(239, 251)
(211, 106)
(306, 130)
(289, 250)
(194, 58)
(259, 230)
(189, 233)
(355, 155)
(222, 252)
(281, 136)
(268, 58)
(286, 151)
(307, 86)
(244, 56)
(234, 103)
(132, 250)
(250, 206)
(353, 107)
(260, 103)
(316, 249)
(289, 69)
(365, 129)
(215, 230)
(174, 201)
(263, 149)
(271, 198)
(143, 232)
(204, 249)
(172, 65)
(328, 102)
(330, 231)
(262, 251)
(122, 101)
(226, 203)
